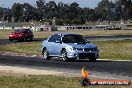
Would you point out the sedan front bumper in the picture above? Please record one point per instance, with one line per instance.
(83, 54)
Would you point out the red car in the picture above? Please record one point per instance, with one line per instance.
(21, 35)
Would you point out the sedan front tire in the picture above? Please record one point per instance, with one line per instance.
(45, 54)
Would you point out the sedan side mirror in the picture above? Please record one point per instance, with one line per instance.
(88, 42)
(57, 41)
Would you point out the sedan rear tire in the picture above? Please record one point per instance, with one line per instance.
(31, 38)
(11, 39)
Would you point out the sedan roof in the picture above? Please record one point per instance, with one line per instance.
(63, 34)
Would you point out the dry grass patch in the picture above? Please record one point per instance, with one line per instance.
(121, 49)
(25, 48)
(45, 82)
(5, 33)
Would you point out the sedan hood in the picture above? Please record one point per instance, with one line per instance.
(87, 45)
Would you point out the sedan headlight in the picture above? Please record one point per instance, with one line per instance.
(72, 48)
(96, 48)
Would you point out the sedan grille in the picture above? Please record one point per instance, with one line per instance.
(86, 49)
(89, 49)
(86, 55)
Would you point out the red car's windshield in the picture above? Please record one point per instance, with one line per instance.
(22, 31)
(18, 31)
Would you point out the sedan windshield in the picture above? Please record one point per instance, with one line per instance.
(74, 39)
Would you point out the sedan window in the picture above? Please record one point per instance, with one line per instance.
(54, 38)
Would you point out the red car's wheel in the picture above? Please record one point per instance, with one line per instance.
(10, 39)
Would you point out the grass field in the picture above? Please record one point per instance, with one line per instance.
(5, 33)
(120, 49)
(25, 48)
(45, 82)
(88, 33)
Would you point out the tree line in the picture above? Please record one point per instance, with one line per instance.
(106, 10)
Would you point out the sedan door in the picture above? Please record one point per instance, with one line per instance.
(57, 45)
(54, 45)
(50, 45)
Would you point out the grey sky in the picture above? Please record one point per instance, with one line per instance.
(83, 3)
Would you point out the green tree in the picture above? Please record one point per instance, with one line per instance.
(72, 11)
(1, 14)
(51, 10)
(17, 12)
(90, 14)
(28, 12)
(62, 10)
(40, 10)
(126, 8)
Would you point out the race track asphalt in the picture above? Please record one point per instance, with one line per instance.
(110, 69)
